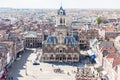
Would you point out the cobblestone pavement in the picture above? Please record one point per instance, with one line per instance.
(24, 69)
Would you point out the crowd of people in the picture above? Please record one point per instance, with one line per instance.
(58, 70)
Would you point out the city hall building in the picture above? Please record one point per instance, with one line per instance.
(62, 45)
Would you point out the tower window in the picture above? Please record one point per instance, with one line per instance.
(63, 20)
(60, 20)
(61, 51)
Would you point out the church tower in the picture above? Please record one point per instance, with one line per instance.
(61, 28)
(61, 17)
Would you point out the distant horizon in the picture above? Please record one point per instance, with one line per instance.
(55, 4)
(63, 8)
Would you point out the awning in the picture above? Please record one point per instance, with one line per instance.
(91, 54)
(3, 75)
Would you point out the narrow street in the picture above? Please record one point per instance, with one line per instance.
(19, 65)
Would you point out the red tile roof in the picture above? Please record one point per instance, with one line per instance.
(108, 48)
(116, 62)
(111, 55)
(10, 43)
(116, 59)
(108, 29)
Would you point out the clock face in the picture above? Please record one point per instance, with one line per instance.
(61, 12)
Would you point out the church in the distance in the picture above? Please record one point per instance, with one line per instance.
(61, 46)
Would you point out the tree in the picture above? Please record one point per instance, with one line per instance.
(98, 20)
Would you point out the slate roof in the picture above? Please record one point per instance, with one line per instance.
(61, 10)
(106, 43)
(70, 40)
(51, 40)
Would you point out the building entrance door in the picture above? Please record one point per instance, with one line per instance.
(31, 45)
(60, 58)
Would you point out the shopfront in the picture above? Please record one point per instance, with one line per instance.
(3, 75)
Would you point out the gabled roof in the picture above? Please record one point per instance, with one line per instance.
(116, 62)
(115, 57)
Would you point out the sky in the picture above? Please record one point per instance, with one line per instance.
(55, 4)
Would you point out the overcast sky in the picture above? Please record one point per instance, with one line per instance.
(114, 4)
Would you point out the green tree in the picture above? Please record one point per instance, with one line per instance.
(98, 20)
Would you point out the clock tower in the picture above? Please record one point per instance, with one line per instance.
(61, 17)
(61, 28)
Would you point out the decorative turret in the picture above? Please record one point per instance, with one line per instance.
(61, 11)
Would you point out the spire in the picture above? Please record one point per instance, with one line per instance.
(61, 11)
(61, 3)
(61, 6)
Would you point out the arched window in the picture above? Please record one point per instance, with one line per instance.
(69, 57)
(60, 50)
(52, 57)
(60, 20)
(64, 20)
(64, 57)
(57, 57)
(75, 57)
(45, 57)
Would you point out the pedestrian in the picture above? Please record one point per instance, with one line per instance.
(40, 69)
(6, 69)
(5, 77)
(52, 65)
(11, 78)
(68, 73)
